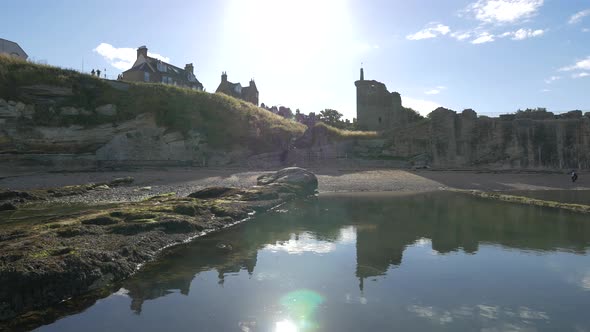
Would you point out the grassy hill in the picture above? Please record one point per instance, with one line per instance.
(225, 121)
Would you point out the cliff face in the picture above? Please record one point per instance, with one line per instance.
(140, 139)
(552, 143)
(55, 117)
(449, 139)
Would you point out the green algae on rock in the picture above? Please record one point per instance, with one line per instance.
(43, 263)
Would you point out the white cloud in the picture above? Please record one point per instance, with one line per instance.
(504, 11)
(484, 37)
(580, 65)
(432, 30)
(435, 91)
(546, 90)
(577, 17)
(552, 79)
(422, 106)
(304, 243)
(585, 30)
(461, 35)
(122, 58)
(522, 34)
(580, 75)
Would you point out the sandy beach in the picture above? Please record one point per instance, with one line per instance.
(183, 181)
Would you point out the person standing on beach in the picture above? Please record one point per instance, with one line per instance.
(574, 176)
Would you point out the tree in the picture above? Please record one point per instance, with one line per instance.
(331, 117)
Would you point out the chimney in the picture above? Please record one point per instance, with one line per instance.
(189, 68)
(223, 76)
(142, 50)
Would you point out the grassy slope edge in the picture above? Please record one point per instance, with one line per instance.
(225, 121)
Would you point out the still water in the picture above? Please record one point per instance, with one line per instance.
(366, 262)
(563, 196)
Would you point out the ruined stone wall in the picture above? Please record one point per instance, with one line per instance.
(552, 143)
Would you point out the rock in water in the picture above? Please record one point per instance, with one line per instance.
(303, 179)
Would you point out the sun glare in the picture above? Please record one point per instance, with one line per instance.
(285, 326)
(289, 31)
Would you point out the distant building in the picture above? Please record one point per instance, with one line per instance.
(376, 107)
(12, 48)
(151, 70)
(248, 93)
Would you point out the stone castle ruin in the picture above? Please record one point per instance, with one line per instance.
(534, 139)
(378, 109)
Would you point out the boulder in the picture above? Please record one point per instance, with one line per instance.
(302, 180)
(107, 110)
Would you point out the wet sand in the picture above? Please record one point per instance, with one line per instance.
(184, 181)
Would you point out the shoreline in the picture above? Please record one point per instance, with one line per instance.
(183, 181)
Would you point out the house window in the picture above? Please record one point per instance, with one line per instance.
(146, 76)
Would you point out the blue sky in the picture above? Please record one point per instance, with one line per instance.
(494, 56)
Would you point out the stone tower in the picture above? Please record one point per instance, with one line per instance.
(376, 107)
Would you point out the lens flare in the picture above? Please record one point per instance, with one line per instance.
(301, 306)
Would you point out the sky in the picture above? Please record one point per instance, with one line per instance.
(493, 56)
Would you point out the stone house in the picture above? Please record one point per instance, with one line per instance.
(248, 93)
(151, 70)
(12, 48)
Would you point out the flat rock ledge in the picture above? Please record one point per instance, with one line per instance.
(42, 264)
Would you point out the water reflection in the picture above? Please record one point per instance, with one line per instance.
(289, 271)
(382, 228)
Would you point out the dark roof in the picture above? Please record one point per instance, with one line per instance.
(229, 88)
(156, 65)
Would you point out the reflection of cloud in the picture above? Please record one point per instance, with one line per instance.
(586, 281)
(528, 313)
(121, 292)
(487, 313)
(440, 316)
(423, 242)
(305, 243)
(262, 276)
(347, 235)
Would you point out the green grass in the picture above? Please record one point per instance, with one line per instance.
(337, 133)
(225, 121)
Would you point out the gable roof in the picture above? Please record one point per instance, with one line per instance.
(155, 65)
(229, 88)
(10, 47)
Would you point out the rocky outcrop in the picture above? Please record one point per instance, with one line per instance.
(55, 257)
(526, 140)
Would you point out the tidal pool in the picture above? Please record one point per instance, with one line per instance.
(366, 262)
